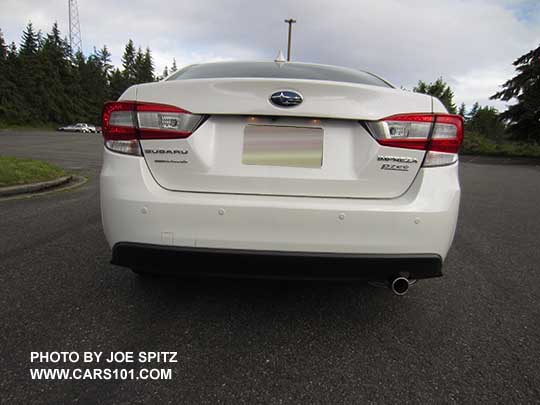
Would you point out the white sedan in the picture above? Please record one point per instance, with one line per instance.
(79, 127)
(263, 169)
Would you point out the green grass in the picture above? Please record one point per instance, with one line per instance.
(476, 144)
(15, 171)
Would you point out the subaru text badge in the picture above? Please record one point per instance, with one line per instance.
(286, 98)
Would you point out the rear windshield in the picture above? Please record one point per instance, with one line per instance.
(274, 70)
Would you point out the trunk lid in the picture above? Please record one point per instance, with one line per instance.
(249, 146)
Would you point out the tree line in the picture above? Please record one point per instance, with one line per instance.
(43, 81)
(484, 120)
(521, 120)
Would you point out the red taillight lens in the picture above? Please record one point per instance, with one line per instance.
(430, 132)
(125, 122)
(118, 121)
(447, 134)
(134, 120)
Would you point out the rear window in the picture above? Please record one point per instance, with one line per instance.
(279, 71)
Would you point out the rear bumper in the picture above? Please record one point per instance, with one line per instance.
(270, 264)
(136, 210)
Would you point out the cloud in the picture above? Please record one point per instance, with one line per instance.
(480, 84)
(471, 44)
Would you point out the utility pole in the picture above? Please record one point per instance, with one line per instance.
(290, 22)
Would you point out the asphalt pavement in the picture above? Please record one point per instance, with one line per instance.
(470, 336)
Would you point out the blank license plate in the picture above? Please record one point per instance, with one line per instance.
(268, 145)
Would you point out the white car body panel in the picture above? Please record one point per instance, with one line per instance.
(438, 106)
(136, 209)
(250, 96)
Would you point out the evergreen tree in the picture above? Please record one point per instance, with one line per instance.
(104, 57)
(44, 82)
(29, 42)
(103, 61)
(40, 39)
(148, 67)
(165, 72)
(144, 67)
(174, 68)
(5, 82)
(117, 84)
(523, 116)
(62, 79)
(139, 66)
(486, 121)
(30, 75)
(94, 84)
(462, 110)
(12, 51)
(55, 68)
(13, 107)
(3, 48)
(129, 65)
(438, 89)
(77, 91)
(474, 110)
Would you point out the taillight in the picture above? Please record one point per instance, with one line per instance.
(125, 122)
(438, 134)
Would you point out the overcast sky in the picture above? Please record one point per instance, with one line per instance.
(471, 43)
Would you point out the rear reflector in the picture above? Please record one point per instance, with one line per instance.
(128, 147)
(433, 159)
(129, 121)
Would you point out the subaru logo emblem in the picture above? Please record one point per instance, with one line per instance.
(286, 98)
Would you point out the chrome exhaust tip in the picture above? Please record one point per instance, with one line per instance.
(400, 285)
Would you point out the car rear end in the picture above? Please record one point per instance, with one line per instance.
(358, 180)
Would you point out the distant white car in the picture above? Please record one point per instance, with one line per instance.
(280, 170)
(80, 127)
